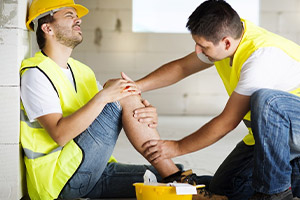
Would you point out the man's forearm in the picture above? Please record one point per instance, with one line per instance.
(207, 135)
(63, 129)
(234, 111)
(166, 75)
(172, 72)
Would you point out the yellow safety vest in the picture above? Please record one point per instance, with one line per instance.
(48, 165)
(254, 38)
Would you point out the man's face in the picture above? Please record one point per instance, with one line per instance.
(210, 50)
(66, 27)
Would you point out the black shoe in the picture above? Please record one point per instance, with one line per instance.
(188, 177)
(191, 178)
(286, 195)
(203, 194)
(182, 177)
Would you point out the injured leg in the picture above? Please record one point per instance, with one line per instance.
(139, 133)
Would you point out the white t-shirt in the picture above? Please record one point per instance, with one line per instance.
(271, 68)
(38, 95)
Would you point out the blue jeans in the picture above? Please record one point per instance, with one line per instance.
(272, 164)
(95, 178)
(276, 128)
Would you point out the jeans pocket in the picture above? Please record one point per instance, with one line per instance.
(80, 182)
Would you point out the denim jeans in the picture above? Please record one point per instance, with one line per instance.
(95, 178)
(272, 164)
(276, 128)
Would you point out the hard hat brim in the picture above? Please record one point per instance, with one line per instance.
(81, 11)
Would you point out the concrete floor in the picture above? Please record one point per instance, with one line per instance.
(204, 162)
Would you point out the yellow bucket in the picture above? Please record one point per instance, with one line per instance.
(158, 192)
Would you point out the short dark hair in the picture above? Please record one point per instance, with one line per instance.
(40, 35)
(215, 19)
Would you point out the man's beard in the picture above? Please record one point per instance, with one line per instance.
(63, 37)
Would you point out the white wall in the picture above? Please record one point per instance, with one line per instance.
(14, 46)
(282, 17)
(140, 53)
(116, 50)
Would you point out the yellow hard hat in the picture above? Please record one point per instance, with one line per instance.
(41, 8)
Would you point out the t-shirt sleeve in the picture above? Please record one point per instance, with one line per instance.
(261, 70)
(204, 59)
(100, 87)
(38, 95)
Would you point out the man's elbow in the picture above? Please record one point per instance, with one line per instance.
(230, 125)
(61, 143)
(227, 125)
(59, 139)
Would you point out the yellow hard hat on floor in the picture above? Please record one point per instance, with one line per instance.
(41, 8)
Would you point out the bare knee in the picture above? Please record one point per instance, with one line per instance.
(132, 102)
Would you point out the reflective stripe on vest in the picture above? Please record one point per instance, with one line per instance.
(254, 38)
(25, 119)
(33, 155)
(29, 153)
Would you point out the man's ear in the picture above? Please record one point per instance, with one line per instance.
(227, 43)
(47, 29)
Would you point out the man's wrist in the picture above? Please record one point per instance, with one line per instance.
(139, 85)
(178, 148)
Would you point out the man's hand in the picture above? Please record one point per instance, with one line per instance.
(157, 150)
(147, 114)
(116, 89)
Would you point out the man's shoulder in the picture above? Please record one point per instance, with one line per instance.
(33, 61)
